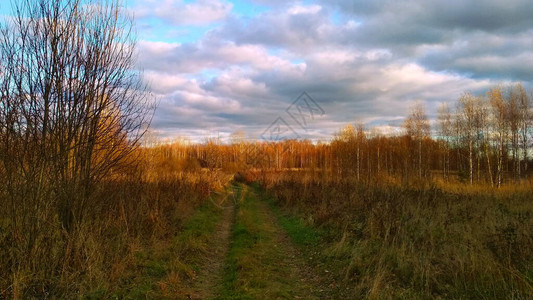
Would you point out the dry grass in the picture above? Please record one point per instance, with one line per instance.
(128, 214)
(421, 241)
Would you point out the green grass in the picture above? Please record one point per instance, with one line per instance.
(195, 236)
(325, 248)
(255, 265)
(242, 241)
(299, 230)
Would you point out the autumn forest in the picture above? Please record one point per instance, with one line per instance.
(477, 139)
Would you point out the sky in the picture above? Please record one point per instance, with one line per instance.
(307, 68)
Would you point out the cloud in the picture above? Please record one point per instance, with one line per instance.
(162, 83)
(484, 55)
(360, 60)
(178, 12)
(483, 15)
(206, 54)
(300, 28)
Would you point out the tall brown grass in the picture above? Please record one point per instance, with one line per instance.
(129, 211)
(420, 241)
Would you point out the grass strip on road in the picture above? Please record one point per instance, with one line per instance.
(261, 263)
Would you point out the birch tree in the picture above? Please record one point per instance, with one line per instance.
(418, 128)
(446, 132)
(466, 125)
(499, 112)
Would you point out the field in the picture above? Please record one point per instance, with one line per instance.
(282, 234)
(419, 241)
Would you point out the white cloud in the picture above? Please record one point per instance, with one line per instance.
(163, 83)
(194, 58)
(178, 12)
(300, 9)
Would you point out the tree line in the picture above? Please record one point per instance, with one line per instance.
(484, 139)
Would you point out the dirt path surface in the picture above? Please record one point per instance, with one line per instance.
(210, 274)
(252, 257)
(306, 281)
(262, 263)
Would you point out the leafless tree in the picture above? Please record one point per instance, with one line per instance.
(514, 119)
(446, 131)
(466, 117)
(484, 128)
(360, 138)
(499, 111)
(418, 128)
(524, 123)
(73, 109)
